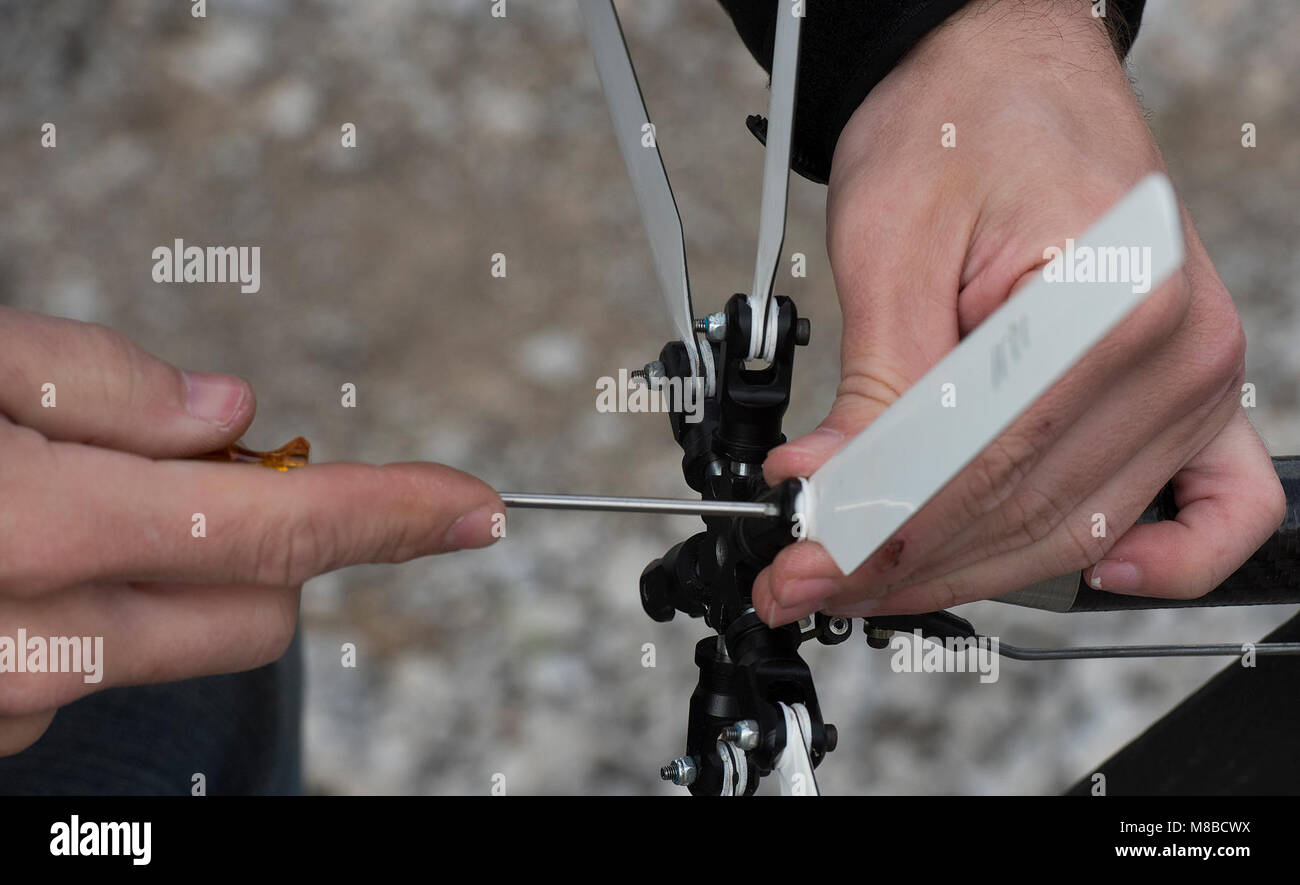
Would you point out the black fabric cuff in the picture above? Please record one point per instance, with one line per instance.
(846, 47)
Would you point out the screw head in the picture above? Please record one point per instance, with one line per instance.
(802, 332)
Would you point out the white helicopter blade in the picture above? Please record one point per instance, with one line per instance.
(638, 144)
(776, 180)
(865, 493)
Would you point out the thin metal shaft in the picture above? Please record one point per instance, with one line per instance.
(677, 506)
(1144, 651)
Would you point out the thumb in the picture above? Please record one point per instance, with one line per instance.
(875, 370)
(897, 277)
(803, 455)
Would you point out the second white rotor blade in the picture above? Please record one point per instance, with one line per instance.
(776, 174)
(637, 142)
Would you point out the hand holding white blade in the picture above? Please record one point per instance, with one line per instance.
(860, 497)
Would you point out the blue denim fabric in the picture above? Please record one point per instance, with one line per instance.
(242, 731)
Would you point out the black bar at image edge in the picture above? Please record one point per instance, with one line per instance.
(333, 835)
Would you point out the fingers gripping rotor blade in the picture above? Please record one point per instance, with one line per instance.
(636, 140)
(776, 178)
(865, 493)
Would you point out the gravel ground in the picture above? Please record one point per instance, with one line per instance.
(479, 135)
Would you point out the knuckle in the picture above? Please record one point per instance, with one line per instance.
(113, 349)
(877, 388)
(995, 475)
(1078, 547)
(1274, 505)
(1164, 310)
(1031, 515)
(1074, 546)
(945, 593)
(287, 552)
(1220, 365)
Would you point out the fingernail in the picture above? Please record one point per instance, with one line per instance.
(474, 530)
(820, 441)
(779, 615)
(214, 398)
(1116, 576)
(806, 590)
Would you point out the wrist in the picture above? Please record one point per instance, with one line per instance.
(990, 63)
(1027, 35)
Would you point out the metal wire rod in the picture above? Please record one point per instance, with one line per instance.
(1143, 651)
(675, 506)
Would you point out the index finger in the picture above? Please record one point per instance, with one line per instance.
(95, 514)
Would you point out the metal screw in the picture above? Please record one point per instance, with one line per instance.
(681, 771)
(714, 326)
(650, 371)
(838, 626)
(743, 734)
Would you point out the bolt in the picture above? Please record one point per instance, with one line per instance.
(681, 771)
(743, 734)
(649, 372)
(838, 626)
(714, 326)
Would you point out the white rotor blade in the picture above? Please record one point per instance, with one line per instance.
(776, 176)
(865, 493)
(638, 144)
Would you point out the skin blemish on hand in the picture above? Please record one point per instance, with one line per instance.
(891, 553)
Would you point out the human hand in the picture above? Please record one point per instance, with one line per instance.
(95, 535)
(926, 241)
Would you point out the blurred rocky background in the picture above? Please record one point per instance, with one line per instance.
(478, 135)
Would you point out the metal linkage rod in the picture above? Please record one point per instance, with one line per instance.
(674, 506)
(1143, 651)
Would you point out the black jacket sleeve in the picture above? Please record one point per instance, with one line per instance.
(846, 47)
